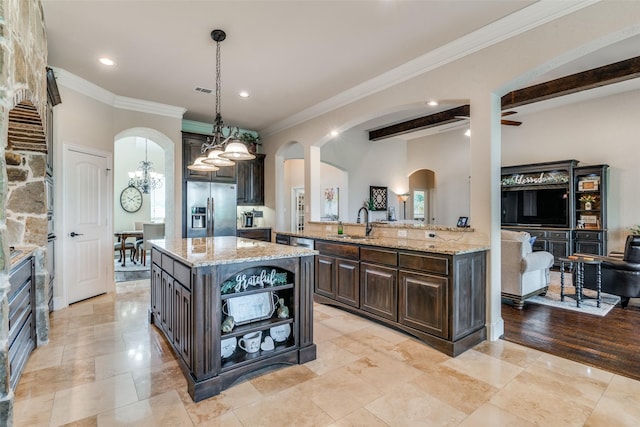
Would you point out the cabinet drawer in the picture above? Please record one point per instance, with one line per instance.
(167, 264)
(588, 235)
(537, 233)
(263, 234)
(19, 276)
(379, 256)
(338, 250)
(156, 257)
(426, 263)
(182, 274)
(558, 234)
(19, 309)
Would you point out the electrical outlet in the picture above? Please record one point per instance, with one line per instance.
(402, 233)
(429, 235)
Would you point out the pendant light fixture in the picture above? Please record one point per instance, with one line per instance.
(224, 146)
(145, 178)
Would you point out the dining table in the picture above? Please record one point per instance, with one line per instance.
(122, 238)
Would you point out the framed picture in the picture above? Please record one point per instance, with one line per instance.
(330, 204)
(463, 221)
(378, 196)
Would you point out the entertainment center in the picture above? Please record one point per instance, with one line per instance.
(561, 204)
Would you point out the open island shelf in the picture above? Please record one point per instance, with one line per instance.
(230, 306)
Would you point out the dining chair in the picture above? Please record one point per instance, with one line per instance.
(150, 231)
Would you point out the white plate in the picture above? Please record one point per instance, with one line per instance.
(228, 346)
(280, 333)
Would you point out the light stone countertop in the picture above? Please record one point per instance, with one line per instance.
(205, 251)
(25, 252)
(432, 246)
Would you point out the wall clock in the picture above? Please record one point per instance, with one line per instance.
(131, 199)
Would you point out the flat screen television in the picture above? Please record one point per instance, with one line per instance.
(545, 207)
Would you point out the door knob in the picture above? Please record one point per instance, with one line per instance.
(74, 234)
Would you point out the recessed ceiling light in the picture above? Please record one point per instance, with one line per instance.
(432, 103)
(244, 94)
(107, 61)
(334, 133)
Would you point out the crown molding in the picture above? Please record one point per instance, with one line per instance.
(80, 85)
(512, 25)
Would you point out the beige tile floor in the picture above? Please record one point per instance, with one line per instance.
(106, 366)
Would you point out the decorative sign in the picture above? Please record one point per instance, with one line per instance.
(588, 185)
(243, 281)
(556, 177)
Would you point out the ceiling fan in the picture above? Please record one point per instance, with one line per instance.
(502, 121)
(509, 122)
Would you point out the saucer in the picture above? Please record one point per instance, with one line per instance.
(280, 333)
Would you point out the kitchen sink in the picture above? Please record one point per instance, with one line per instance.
(349, 237)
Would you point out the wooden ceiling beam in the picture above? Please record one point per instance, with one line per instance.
(590, 79)
(425, 122)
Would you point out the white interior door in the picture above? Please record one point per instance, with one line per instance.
(88, 243)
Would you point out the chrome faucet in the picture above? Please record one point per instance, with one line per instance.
(367, 227)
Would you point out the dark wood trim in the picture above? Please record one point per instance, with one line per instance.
(574, 83)
(425, 122)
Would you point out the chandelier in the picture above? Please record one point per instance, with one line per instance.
(223, 148)
(145, 178)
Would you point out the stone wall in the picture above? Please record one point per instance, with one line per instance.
(23, 60)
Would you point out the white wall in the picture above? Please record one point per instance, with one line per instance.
(330, 177)
(382, 164)
(448, 156)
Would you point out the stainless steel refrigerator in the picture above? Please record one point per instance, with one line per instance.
(210, 209)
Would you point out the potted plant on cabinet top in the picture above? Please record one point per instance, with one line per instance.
(251, 141)
(588, 200)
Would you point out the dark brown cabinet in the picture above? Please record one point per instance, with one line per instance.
(423, 303)
(440, 299)
(338, 272)
(251, 181)
(191, 149)
(171, 303)
(578, 224)
(379, 290)
(189, 305)
(591, 216)
(263, 234)
(379, 282)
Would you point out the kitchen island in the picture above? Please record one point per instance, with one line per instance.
(230, 306)
(432, 289)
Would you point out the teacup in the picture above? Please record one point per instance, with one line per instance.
(250, 342)
(227, 347)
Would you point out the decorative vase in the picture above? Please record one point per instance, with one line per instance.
(587, 206)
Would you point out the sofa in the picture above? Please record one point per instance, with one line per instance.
(620, 275)
(524, 273)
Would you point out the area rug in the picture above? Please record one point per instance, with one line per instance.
(131, 271)
(588, 304)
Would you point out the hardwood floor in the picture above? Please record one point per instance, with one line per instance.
(611, 342)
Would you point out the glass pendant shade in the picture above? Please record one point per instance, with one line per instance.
(198, 165)
(213, 158)
(237, 151)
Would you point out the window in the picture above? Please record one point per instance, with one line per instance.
(157, 200)
(418, 205)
